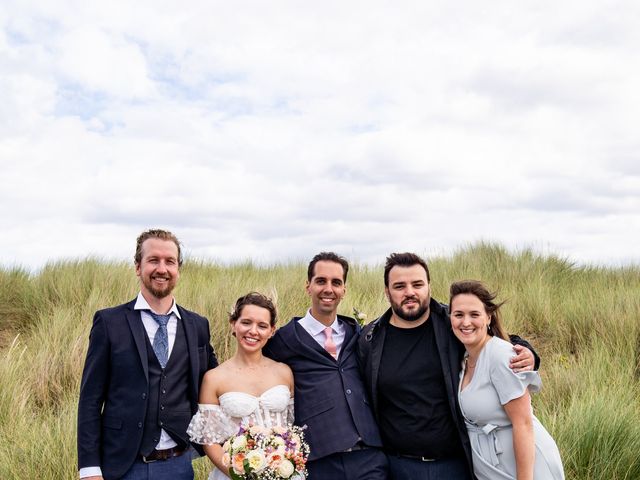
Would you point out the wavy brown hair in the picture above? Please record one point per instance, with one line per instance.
(159, 234)
(480, 290)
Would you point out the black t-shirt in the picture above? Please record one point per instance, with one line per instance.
(415, 418)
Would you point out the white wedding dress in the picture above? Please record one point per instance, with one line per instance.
(216, 423)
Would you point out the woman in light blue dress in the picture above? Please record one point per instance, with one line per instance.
(507, 440)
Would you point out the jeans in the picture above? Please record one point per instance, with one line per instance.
(174, 468)
(403, 468)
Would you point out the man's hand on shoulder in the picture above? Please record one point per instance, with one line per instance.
(523, 361)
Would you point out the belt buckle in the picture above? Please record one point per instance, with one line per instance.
(424, 459)
(145, 460)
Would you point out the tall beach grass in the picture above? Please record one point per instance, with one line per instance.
(583, 320)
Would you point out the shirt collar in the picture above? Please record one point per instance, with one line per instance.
(315, 326)
(142, 304)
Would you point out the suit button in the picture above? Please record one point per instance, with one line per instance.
(164, 391)
(161, 407)
(348, 391)
(144, 395)
(139, 424)
(161, 423)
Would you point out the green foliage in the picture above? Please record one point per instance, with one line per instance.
(16, 300)
(582, 320)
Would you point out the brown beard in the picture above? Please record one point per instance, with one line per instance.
(410, 317)
(161, 293)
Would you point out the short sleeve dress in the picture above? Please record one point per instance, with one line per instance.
(490, 431)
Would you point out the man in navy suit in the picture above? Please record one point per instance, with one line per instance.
(330, 398)
(140, 383)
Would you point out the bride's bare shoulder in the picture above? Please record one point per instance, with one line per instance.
(284, 373)
(219, 375)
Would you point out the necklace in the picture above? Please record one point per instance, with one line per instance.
(467, 363)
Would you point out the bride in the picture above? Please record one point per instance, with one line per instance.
(249, 388)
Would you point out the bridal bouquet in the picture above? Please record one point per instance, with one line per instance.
(259, 453)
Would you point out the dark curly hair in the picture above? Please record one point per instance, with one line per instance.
(257, 299)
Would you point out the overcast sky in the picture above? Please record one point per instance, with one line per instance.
(273, 130)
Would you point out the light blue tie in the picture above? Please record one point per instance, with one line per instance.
(161, 339)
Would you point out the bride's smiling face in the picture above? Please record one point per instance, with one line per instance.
(253, 328)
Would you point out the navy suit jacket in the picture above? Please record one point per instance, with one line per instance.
(330, 398)
(115, 385)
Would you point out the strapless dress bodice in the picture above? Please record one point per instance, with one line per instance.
(241, 405)
(215, 423)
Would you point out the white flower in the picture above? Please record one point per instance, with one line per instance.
(239, 442)
(295, 439)
(285, 469)
(257, 460)
(278, 442)
(360, 317)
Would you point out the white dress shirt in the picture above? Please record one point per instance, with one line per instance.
(316, 329)
(151, 327)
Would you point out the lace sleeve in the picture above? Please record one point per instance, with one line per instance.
(211, 425)
(290, 412)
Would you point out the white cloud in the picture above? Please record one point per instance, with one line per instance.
(105, 63)
(272, 131)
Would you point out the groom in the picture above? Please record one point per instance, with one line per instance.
(144, 365)
(330, 397)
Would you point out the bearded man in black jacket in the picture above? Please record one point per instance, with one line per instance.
(410, 362)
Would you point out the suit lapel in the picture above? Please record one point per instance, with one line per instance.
(350, 338)
(191, 336)
(137, 330)
(305, 345)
